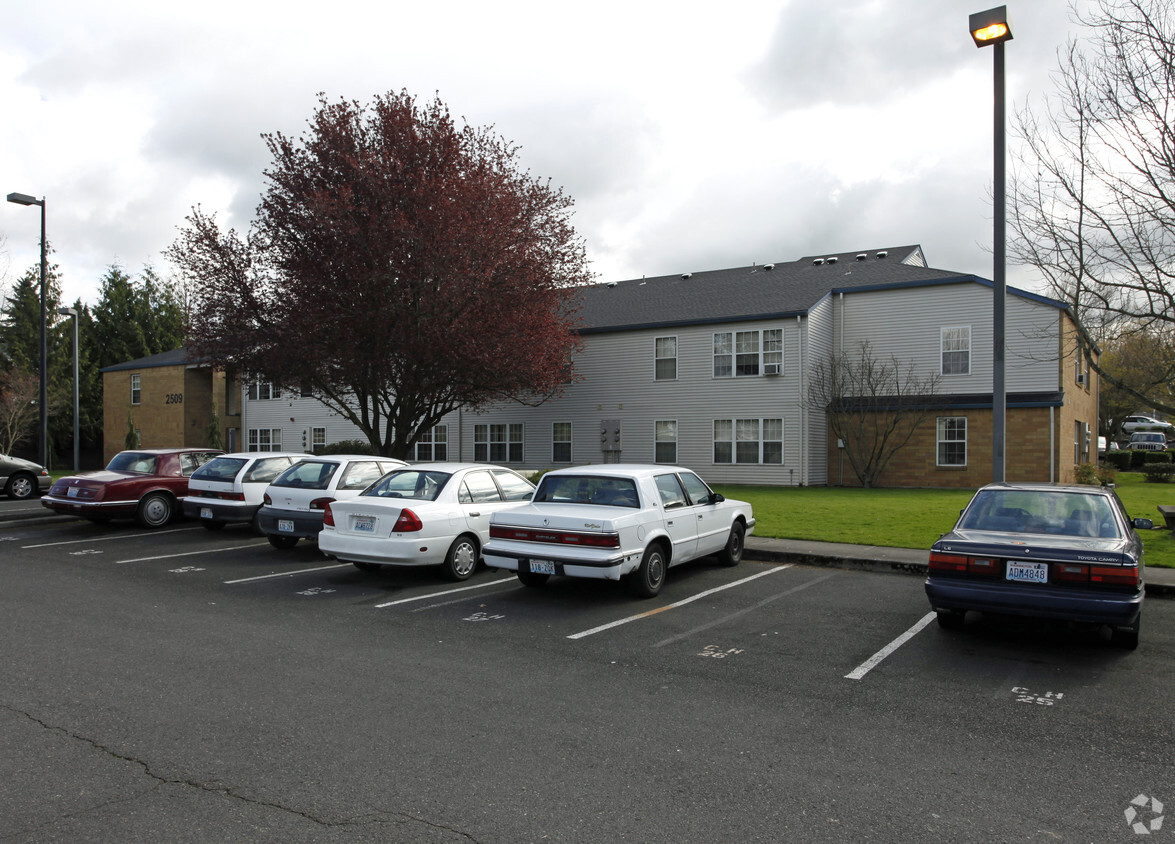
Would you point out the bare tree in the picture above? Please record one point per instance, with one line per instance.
(18, 407)
(874, 406)
(1092, 199)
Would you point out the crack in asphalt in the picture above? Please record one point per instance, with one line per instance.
(378, 816)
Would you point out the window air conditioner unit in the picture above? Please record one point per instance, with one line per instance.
(771, 368)
(1081, 377)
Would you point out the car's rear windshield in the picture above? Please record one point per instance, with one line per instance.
(409, 483)
(309, 474)
(219, 469)
(134, 461)
(1041, 511)
(587, 489)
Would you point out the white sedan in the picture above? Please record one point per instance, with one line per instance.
(618, 521)
(429, 514)
(293, 505)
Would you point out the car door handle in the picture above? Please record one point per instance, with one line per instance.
(475, 514)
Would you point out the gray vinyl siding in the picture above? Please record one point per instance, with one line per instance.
(821, 332)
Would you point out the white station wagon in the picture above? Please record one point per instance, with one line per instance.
(617, 521)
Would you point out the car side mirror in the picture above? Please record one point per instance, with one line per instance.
(1144, 524)
(717, 498)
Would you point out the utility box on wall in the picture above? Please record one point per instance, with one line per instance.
(610, 440)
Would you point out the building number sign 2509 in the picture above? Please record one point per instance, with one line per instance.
(174, 398)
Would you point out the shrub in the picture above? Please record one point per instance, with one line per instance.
(1156, 456)
(346, 447)
(1086, 473)
(1120, 460)
(1158, 473)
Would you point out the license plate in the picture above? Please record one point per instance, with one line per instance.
(72, 493)
(285, 525)
(205, 512)
(542, 567)
(364, 524)
(1028, 572)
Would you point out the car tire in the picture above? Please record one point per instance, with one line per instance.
(283, 543)
(155, 510)
(732, 554)
(20, 487)
(1127, 637)
(951, 619)
(255, 524)
(213, 525)
(529, 578)
(461, 561)
(649, 577)
(365, 566)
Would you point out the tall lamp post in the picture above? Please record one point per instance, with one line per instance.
(993, 28)
(25, 199)
(73, 312)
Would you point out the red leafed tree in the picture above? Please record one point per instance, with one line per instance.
(399, 267)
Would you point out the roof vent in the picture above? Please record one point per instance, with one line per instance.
(818, 261)
(882, 254)
(833, 259)
(861, 256)
(769, 266)
(686, 275)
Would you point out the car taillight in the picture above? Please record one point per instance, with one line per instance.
(320, 503)
(265, 499)
(407, 522)
(1070, 573)
(557, 537)
(1113, 575)
(958, 564)
(328, 517)
(947, 562)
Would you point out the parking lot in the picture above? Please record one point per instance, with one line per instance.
(188, 685)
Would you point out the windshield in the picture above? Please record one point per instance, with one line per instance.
(587, 489)
(134, 461)
(219, 469)
(409, 483)
(1041, 511)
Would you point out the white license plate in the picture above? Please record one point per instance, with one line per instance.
(364, 524)
(285, 526)
(541, 567)
(1028, 572)
(205, 512)
(72, 492)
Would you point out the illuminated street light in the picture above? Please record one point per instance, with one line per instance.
(992, 28)
(25, 199)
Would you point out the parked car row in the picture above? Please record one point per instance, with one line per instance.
(615, 522)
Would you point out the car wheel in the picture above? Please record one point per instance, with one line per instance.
(647, 580)
(213, 525)
(255, 524)
(155, 510)
(283, 542)
(1127, 637)
(364, 566)
(951, 619)
(20, 487)
(461, 560)
(732, 554)
(529, 578)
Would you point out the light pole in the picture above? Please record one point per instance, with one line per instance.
(992, 27)
(72, 312)
(25, 199)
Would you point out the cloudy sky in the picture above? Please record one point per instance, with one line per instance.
(691, 135)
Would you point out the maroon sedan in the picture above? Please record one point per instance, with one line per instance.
(146, 484)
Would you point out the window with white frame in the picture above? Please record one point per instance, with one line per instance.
(956, 350)
(265, 439)
(432, 445)
(740, 354)
(263, 391)
(317, 439)
(665, 359)
(951, 441)
(748, 441)
(561, 442)
(665, 441)
(136, 389)
(498, 443)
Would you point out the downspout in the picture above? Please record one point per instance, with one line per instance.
(842, 322)
(1052, 445)
(803, 413)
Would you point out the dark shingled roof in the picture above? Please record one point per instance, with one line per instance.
(755, 292)
(176, 357)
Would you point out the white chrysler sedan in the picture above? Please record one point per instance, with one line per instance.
(428, 514)
(617, 521)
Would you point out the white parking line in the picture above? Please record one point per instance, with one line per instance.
(873, 661)
(286, 573)
(443, 594)
(681, 603)
(191, 553)
(144, 535)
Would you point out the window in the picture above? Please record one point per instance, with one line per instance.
(952, 441)
(265, 439)
(956, 350)
(748, 441)
(746, 353)
(432, 445)
(665, 358)
(479, 488)
(665, 441)
(561, 442)
(672, 495)
(361, 475)
(136, 389)
(263, 391)
(317, 440)
(498, 443)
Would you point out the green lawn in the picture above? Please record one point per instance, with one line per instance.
(913, 518)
